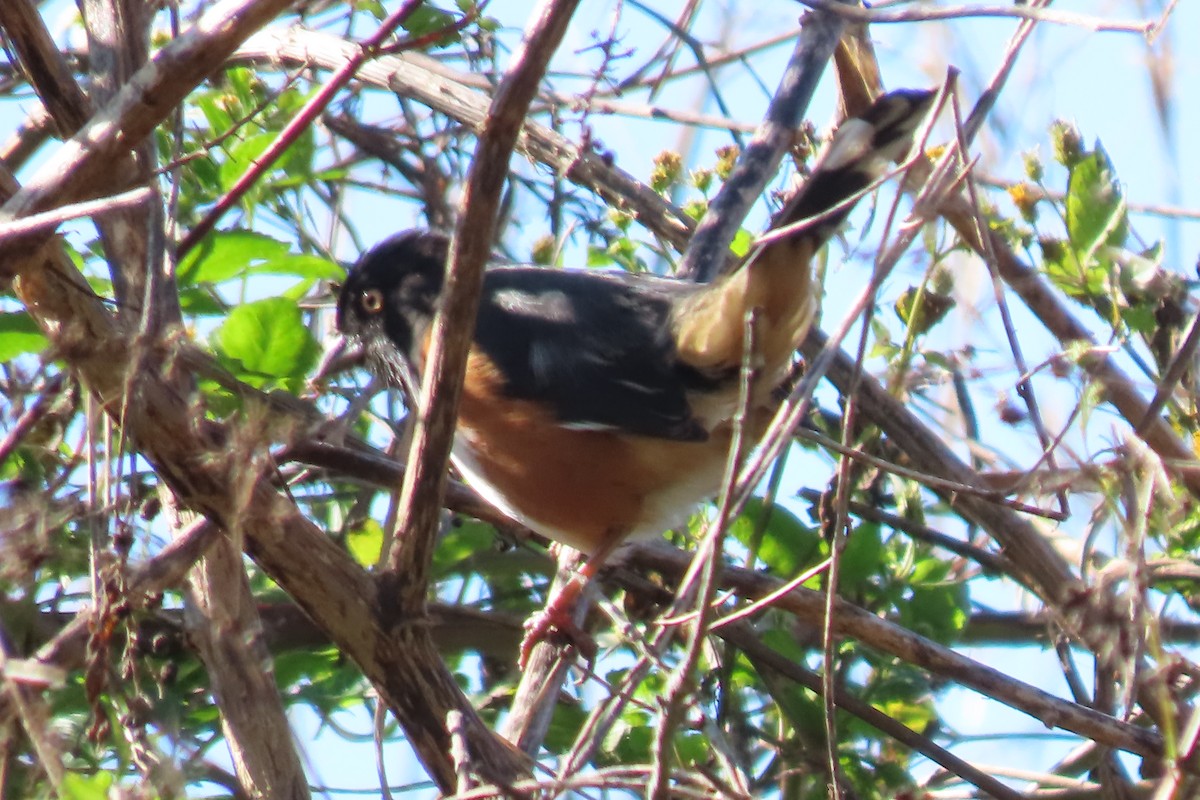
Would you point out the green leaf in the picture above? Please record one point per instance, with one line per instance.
(225, 255)
(426, 20)
(228, 254)
(1096, 211)
(318, 677)
(1140, 319)
(929, 570)
(693, 749)
(242, 81)
(629, 743)
(330, 175)
(243, 156)
(802, 709)
(742, 240)
(77, 786)
(301, 265)
(19, 335)
(920, 308)
(366, 543)
(1064, 269)
(1089, 400)
(862, 557)
(938, 612)
(374, 7)
(882, 345)
(456, 550)
(598, 257)
(787, 545)
(268, 340)
(564, 728)
(215, 113)
(294, 167)
(200, 302)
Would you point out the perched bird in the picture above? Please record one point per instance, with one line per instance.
(598, 406)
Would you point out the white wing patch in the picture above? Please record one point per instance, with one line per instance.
(554, 306)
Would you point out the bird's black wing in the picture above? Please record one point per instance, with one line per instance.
(595, 348)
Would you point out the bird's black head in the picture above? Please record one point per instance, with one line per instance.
(389, 296)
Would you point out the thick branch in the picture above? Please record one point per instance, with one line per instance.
(47, 70)
(224, 624)
(707, 254)
(471, 248)
(84, 167)
(117, 38)
(454, 324)
(118, 34)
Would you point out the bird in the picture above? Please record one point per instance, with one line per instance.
(599, 407)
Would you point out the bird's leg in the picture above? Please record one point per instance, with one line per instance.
(557, 619)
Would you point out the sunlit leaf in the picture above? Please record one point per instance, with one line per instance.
(19, 335)
(244, 156)
(1096, 211)
(225, 255)
(365, 543)
(936, 611)
(268, 340)
(78, 786)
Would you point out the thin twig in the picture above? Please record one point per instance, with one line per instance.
(764, 657)
(967, 131)
(928, 13)
(1051, 310)
(47, 221)
(298, 124)
(1181, 362)
(863, 625)
(1040, 193)
(598, 105)
(793, 410)
(36, 718)
(699, 585)
(409, 75)
(993, 562)
(47, 396)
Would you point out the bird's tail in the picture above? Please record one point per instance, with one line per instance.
(777, 280)
(861, 151)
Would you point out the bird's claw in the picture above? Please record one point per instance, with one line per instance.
(555, 625)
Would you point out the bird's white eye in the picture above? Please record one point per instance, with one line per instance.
(371, 301)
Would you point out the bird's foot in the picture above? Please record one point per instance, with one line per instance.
(555, 623)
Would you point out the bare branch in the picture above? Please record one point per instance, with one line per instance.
(48, 221)
(849, 620)
(412, 75)
(425, 480)
(707, 254)
(85, 165)
(927, 13)
(227, 632)
(298, 124)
